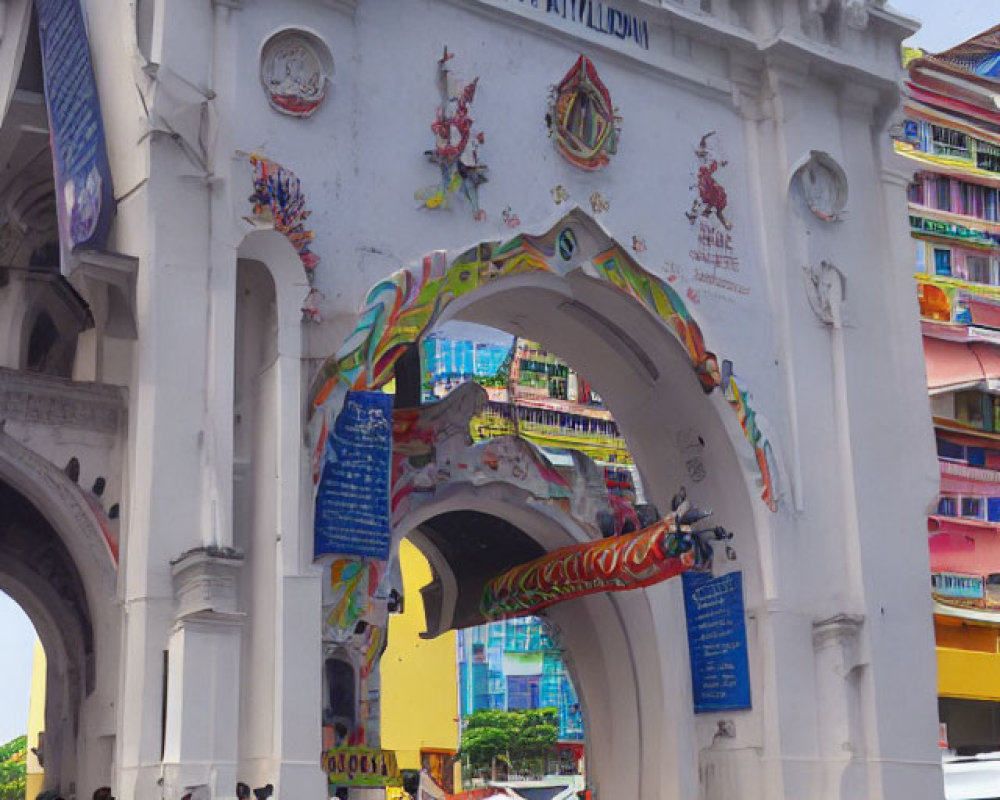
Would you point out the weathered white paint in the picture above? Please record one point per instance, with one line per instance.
(838, 611)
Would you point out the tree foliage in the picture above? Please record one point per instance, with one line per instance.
(520, 739)
(13, 768)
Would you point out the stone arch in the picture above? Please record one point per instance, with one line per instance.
(608, 685)
(58, 564)
(582, 296)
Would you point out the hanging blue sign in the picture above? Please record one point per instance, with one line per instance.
(352, 504)
(84, 194)
(717, 641)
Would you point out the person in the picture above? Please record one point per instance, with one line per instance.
(104, 793)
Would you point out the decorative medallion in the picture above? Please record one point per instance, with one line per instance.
(823, 186)
(566, 243)
(581, 119)
(295, 67)
(456, 149)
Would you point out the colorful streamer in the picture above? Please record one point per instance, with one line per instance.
(632, 561)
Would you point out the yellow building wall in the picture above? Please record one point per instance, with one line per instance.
(36, 720)
(419, 676)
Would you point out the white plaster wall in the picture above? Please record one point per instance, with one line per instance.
(360, 158)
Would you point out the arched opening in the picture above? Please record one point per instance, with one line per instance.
(579, 295)
(57, 562)
(39, 574)
(17, 642)
(255, 395)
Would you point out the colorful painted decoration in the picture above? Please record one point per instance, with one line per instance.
(294, 71)
(663, 550)
(456, 150)
(582, 121)
(279, 202)
(711, 197)
(402, 308)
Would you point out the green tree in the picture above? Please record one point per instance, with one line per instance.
(13, 769)
(520, 739)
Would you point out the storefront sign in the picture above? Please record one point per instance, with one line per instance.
(83, 178)
(951, 230)
(352, 505)
(717, 641)
(361, 766)
(955, 586)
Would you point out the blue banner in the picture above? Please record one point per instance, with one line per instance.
(352, 504)
(84, 194)
(717, 641)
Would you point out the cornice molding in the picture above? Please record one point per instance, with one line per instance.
(347, 6)
(36, 398)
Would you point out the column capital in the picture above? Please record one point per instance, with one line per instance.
(204, 581)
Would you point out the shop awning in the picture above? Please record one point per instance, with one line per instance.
(957, 365)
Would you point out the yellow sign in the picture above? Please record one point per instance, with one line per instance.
(361, 766)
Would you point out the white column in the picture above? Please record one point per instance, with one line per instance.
(203, 677)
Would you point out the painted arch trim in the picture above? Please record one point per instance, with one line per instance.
(404, 307)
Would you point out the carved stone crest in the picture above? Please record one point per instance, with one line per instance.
(822, 185)
(295, 67)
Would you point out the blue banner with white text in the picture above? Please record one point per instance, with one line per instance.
(84, 194)
(717, 641)
(352, 504)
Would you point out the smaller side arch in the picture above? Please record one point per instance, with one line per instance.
(63, 504)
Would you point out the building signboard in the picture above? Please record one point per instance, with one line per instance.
(717, 641)
(606, 19)
(951, 230)
(352, 504)
(84, 193)
(361, 766)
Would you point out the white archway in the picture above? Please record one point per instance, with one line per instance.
(627, 651)
(69, 593)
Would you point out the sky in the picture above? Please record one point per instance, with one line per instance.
(945, 24)
(948, 22)
(17, 643)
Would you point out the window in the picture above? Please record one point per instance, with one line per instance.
(948, 142)
(523, 692)
(942, 194)
(974, 409)
(948, 506)
(942, 261)
(975, 456)
(993, 510)
(972, 507)
(987, 156)
(977, 268)
(950, 450)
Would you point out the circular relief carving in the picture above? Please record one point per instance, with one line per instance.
(823, 186)
(295, 67)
